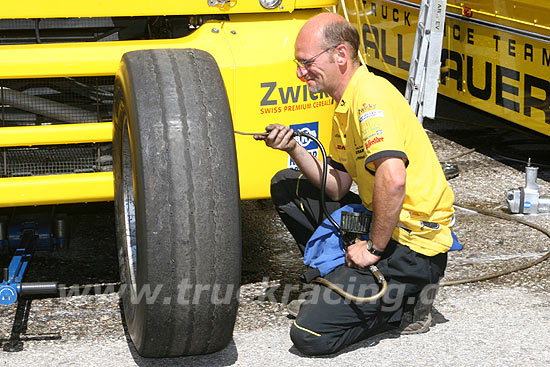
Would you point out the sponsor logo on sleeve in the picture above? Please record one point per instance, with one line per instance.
(377, 132)
(371, 142)
(366, 107)
(367, 115)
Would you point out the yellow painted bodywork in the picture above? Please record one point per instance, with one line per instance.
(254, 53)
(99, 58)
(56, 189)
(56, 134)
(118, 8)
(528, 15)
(497, 60)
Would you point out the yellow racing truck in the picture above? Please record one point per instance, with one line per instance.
(147, 95)
(137, 102)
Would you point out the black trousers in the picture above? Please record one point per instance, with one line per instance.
(326, 322)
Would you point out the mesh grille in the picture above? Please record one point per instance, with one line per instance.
(55, 100)
(58, 159)
(63, 30)
(58, 30)
(27, 102)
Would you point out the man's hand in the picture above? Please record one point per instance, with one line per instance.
(278, 137)
(281, 137)
(357, 256)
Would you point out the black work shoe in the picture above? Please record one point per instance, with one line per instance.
(408, 326)
(419, 320)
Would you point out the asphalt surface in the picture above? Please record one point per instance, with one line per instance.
(473, 327)
(500, 322)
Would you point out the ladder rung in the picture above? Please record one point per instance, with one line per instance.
(420, 83)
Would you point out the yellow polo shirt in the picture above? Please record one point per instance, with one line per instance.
(373, 120)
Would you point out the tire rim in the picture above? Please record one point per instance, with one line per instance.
(130, 244)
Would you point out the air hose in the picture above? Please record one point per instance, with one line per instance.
(372, 268)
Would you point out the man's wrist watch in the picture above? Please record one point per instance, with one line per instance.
(372, 250)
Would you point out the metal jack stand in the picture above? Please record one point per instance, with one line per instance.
(25, 237)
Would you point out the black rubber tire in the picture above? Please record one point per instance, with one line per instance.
(177, 202)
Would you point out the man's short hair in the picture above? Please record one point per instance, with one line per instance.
(339, 32)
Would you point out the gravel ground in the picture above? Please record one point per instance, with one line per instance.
(500, 322)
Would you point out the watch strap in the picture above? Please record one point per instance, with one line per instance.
(372, 250)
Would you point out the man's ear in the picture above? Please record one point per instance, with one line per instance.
(342, 54)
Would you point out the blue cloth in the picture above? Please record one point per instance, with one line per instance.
(325, 249)
(456, 246)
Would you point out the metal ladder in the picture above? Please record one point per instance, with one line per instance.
(423, 79)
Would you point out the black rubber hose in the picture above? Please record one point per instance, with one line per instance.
(480, 211)
(373, 269)
(324, 173)
(323, 178)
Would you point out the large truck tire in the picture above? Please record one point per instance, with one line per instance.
(177, 202)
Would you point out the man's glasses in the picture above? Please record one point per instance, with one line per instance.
(306, 63)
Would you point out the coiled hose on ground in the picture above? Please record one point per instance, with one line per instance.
(505, 271)
(499, 215)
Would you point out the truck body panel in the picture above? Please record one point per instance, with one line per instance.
(259, 76)
(496, 54)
